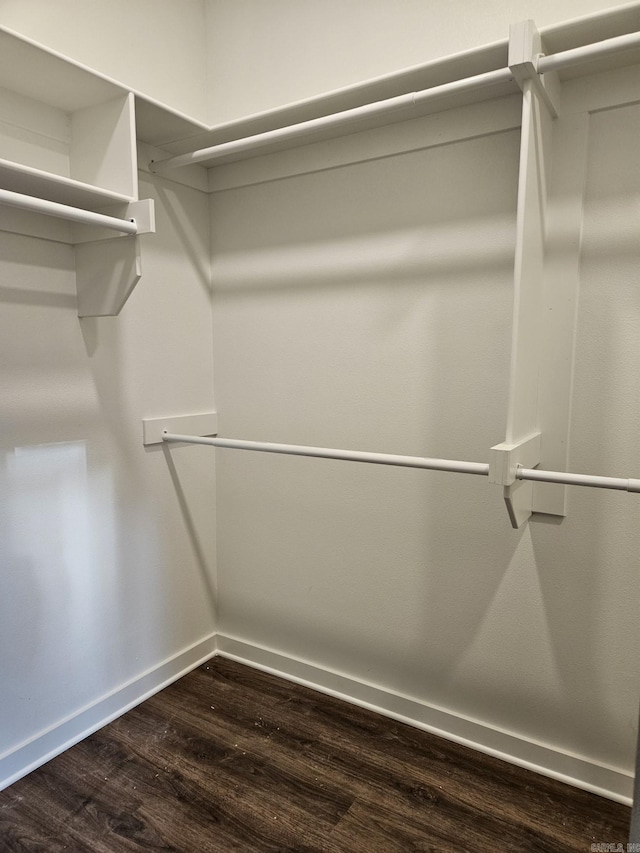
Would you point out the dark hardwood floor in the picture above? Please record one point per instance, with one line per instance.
(229, 758)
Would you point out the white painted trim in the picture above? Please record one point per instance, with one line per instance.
(610, 782)
(31, 754)
(603, 91)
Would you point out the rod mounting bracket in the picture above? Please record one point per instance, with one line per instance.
(504, 461)
(525, 48)
(200, 424)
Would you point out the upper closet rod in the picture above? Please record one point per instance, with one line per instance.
(562, 59)
(330, 122)
(64, 211)
(597, 50)
(451, 465)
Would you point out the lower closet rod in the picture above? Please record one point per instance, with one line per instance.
(565, 478)
(451, 465)
(344, 455)
(64, 211)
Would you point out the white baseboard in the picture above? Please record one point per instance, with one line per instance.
(609, 782)
(44, 746)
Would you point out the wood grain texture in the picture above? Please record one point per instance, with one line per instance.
(233, 759)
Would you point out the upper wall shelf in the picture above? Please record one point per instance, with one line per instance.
(69, 87)
(577, 33)
(86, 157)
(18, 177)
(67, 133)
(435, 73)
(64, 135)
(68, 163)
(544, 68)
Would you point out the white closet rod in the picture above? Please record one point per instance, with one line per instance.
(451, 465)
(567, 479)
(335, 120)
(345, 455)
(64, 211)
(597, 50)
(402, 102)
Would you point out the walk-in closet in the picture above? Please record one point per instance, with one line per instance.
(319, 405)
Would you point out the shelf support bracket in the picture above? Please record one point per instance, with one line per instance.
(107, 267)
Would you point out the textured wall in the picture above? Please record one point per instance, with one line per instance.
(369, 307)
(106, 568)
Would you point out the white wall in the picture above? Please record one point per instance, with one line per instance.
(368, 307)
(266, 54)
(155, 46)
(107, 569)
(107, 549)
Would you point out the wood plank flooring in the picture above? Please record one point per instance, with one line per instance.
(232, 759)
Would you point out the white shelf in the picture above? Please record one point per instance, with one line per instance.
(43, 75)
(37, 72)
(83, 157)
(68, 133)
(435, 73)
(68, 136)
(26, 179)
(576, 33)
